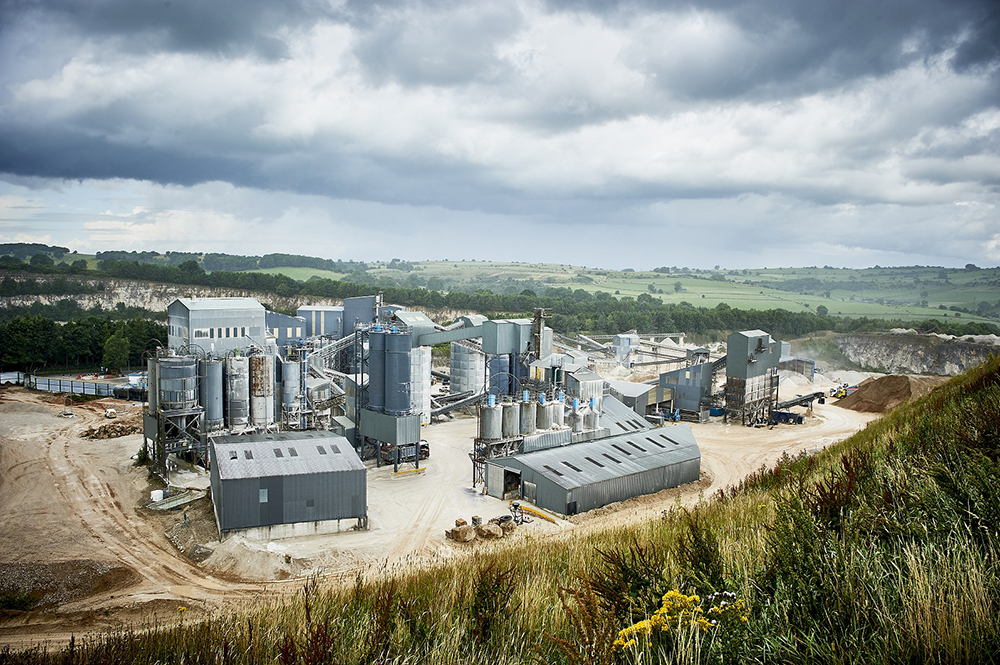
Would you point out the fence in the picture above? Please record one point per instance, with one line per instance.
(70, 386)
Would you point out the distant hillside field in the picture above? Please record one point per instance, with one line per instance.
(913, 293)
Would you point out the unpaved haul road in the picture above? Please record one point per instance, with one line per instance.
(65, 498)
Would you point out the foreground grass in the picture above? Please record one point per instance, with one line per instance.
(883, 548)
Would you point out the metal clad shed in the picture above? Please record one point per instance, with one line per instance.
(286, 483)
(216, 325)
(580, 477)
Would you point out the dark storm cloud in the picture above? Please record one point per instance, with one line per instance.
(215, 26)
(793, 47)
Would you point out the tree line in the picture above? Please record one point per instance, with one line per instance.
(32, 342)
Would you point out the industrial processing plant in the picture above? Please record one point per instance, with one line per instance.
(289, 413)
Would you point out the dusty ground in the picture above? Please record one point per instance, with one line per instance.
(73, 510)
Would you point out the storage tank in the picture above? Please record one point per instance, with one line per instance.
(467, 368)
(210, 373)
(511, 420)
(261, 390)
(290, 385)
(491, 423)
(593, 416)
(527, 417)
(178, 382)
(575, 417)
(420, 383)
(544, 416)
(376, 369)
(397, 373)
(152, 383)
(557, 414)
(237, 391)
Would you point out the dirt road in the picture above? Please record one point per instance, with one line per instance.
(71, 509)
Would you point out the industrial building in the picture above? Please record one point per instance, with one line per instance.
(691, 387)
(643, 398)
(577, 478)
(751, 376)
(215, 325)
(287, 484)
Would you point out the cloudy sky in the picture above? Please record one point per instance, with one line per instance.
(632, 134)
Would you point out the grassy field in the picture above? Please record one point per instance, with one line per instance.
(301, 274)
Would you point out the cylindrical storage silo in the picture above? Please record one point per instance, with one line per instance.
(376, 370)
(557, 414)
(511, 420)
(576, 420)
(544, 416)
(210, 372)
(290, 386)
(589, 419)
(152, 384)
(237, 391)
(491, 423)
(397, 374)
(261, 390)
(527, 418)
(178, 382)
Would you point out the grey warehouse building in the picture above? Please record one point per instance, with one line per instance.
(286, 484)
(580, 477)
(216, 325)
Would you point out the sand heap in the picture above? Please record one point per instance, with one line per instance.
(880, 395)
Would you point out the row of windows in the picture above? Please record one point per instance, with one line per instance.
(220, 333)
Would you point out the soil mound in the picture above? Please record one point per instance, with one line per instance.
(881, 395)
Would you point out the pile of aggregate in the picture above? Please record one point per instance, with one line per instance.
(881, 395)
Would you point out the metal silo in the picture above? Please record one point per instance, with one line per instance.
(543, 416)
(237, 391)
(261, 390)
(397, 373)
(527, 417)
(376, 370)
(178, 383)
(491, 422)
(511, 426)
(290, 385)
(211, 393)
(557, 414)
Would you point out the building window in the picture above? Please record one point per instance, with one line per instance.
(201, 333)
(227, 331)
(220, 333)
(243, 331)
(278, 453)
(248, 454)
(263, 495)
(289, 332)
(232, 455)
(292, 452)
(321, 449)
(211, 333)
(298, 332)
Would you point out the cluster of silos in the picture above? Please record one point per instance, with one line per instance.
(586, 417)
(467, 368)
(510, 419)
(390, 371)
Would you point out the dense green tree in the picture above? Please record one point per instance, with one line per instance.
(116, 352)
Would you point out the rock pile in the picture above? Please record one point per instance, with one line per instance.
(496, 528)
(111, 430)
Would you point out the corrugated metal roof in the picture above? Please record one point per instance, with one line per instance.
(283, 454)
(583, 464)
(630, 389)
(321, 308)
(620, 419)
(220, 303)
(583, 375)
